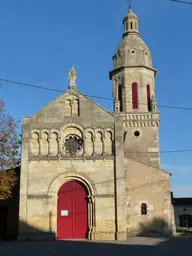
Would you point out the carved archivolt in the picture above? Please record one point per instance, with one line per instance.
(72, 140)
(87, 182)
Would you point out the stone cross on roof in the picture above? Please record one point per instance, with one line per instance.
(72, 76)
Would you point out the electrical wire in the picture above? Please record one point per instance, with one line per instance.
(181, 2)
(105, 98)
(90, 96)
(163, 152)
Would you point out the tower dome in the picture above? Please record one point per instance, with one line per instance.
(132, 51)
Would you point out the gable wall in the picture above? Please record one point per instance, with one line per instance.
(41, 165)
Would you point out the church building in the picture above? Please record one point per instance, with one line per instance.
(87, 173)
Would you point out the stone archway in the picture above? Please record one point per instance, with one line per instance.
(52, 199)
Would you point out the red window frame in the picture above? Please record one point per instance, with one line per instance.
(148, 97)
(134, 96)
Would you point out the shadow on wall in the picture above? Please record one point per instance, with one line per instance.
(9, 222)
(156, 228)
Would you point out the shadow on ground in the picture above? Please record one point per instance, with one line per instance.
(134, 246)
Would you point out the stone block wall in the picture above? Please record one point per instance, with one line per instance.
(149, 186)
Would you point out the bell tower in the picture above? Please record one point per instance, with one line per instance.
(133, 78)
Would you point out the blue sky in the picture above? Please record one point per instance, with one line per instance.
(41, 40)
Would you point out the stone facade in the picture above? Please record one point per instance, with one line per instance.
(117, 158)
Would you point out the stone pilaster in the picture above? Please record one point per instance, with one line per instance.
(119, 179)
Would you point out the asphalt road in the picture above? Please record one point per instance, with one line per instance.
(134, 246)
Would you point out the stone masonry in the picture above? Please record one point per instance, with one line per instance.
(118, 161)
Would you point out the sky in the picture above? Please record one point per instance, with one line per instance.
(41, 40)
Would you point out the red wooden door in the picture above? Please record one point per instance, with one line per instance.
(72, 211)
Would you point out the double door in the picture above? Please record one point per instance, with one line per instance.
(72, 216)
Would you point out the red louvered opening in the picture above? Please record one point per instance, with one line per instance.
(148, 97)
(135, 96)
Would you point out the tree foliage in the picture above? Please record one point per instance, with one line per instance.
(9, 153)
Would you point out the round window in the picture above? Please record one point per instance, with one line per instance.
(72, 144)
(136, 133)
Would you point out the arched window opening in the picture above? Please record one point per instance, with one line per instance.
(143, 209)
(185, 221)
(68, 107)
(127, 26)
(134, 96)
(76, 107)
(120, 97)
(148, 97)
(131, 25)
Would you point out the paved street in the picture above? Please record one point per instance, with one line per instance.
(134, 246)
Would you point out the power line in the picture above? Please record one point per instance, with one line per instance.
(90, 96)
(181, 2)
(30, 85)
(105, 98)
(163, 152)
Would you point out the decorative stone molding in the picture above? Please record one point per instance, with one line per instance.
(141, 117)
(141, 124)
(49, 144)
(52, 198)
(141, 120)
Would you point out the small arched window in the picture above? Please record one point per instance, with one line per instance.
(127, 26)
(131, 25)
(143, 209)
(134, 96)
(148, 97)
(120, 97)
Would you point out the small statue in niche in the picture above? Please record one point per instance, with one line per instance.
(34, 144)
(44, 144)
(54, 144)
(108, 143)
(89, 144)
(98, 143)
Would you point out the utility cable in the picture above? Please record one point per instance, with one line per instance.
(90, 96)
(181, 2)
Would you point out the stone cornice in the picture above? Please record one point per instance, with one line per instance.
(141, 120)
(117, 70)
(60, 158)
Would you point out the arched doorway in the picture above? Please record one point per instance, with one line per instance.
(72, 211)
